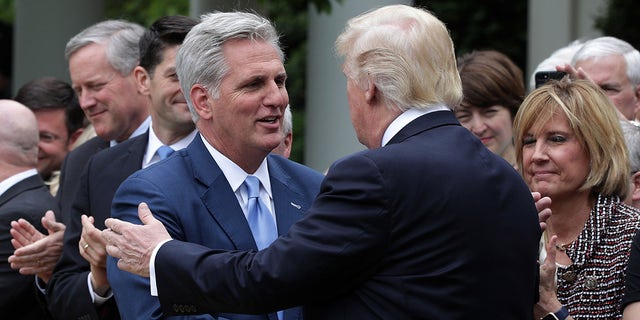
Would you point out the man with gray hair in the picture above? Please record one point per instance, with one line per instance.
(284, 148)
(631, 134)
(101, 59)
(613, 65)
(23, 197)
(231, 70)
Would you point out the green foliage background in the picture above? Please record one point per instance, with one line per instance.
(620, 20)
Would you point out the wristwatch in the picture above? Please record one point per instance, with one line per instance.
(561, 314)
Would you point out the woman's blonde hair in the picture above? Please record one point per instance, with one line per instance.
(593, 119)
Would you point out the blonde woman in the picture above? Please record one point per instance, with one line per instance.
(569, 147)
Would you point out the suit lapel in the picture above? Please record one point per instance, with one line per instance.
(289, 204)
(135, 153)
(128, 161)
(425, 122)
(218, 197)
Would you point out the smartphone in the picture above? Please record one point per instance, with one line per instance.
(542, 77)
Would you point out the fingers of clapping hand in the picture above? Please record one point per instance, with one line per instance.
(548, 268)
(23, 233)
(92, 246)
(38, 257)
(543, 206)
(50, 223)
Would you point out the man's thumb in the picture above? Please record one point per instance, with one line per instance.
(145, 215)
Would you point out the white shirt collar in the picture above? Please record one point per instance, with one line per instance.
(151, 157)
(405, 118)
(7, 183)
(140, 130)
(236, 175)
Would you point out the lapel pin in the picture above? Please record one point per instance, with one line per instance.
(297, 206)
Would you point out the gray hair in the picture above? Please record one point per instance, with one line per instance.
(120, 38)
(287, 123)
(606, 46)
(631, 134)
(200, 59)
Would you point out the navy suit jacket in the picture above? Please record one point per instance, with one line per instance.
(70, 173)
(28, 199)
(431, 226)
(189, 193)
(67, 291)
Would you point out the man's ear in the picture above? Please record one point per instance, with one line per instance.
(142, 80)
(201, 101)
(637, 109)
(371, 92)
(635, 193)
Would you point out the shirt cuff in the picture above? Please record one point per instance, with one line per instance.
(152, 268)
(95, 298)
(41, 285)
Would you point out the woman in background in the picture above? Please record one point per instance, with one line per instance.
(493, 88)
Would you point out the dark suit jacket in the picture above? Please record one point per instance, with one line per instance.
(28, 199)
(70, 173)
(189, 193)
(431, 226)
(67, 292)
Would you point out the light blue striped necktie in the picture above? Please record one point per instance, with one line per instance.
(164, 152)
(262, 224)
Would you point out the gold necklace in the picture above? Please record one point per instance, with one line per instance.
(562, 247)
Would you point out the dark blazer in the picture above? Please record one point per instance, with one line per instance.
(189, 193)
(28, 199)
(431, 226)
(70, 173)
(67, 292)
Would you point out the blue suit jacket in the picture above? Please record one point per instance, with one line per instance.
(189, 193)
(67, 291)
(431, 226)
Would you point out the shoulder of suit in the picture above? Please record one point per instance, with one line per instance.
(89, 148)
(123, 147)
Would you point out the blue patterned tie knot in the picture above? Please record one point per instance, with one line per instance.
(262, 224)
(164, 152)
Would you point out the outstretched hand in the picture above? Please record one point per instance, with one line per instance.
(36, 253)
(133, 244)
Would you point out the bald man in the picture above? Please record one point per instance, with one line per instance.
(23, 197)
